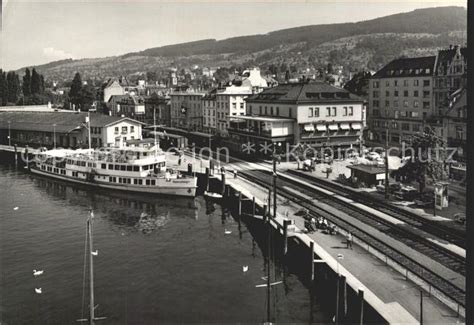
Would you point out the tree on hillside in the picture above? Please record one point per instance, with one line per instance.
(75, 92)
(35, 82)
(13, 81)
(359, 84)
(86, 97)
(3, 88)
(427, 159)
(27, 83)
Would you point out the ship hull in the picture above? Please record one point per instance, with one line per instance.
(179, 186)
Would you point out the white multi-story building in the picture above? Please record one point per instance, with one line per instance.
(230, 103)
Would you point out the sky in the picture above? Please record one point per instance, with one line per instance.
(37, 31)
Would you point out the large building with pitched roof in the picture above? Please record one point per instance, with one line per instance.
(311, 113)
(66, 129)
(400, 99)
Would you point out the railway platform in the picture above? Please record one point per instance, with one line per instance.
(388, 289)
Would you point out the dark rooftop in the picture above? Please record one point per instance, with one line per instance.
(369, 169)
(65, 121)
(407, 67)
(312, 92)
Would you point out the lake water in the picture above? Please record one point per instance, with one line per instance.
(160, 259)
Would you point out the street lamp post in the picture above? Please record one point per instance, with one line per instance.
(275, 178)
(386, 163)
(54, 135)
(9, 135)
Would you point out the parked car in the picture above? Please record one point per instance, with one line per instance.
(393, 187)
(380, 188)
(372, 155)
(406, 193)
(460, 218)
(425, 201)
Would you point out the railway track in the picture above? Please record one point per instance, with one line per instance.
(453, 235)
(401, 233)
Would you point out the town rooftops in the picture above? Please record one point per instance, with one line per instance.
(407, 67)
(368, 169)
(446, 56)
(64, 121)
(312, 92)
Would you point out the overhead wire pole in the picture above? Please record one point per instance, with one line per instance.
(386, 163)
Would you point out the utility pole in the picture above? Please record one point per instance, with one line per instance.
(54, 135)
(386, 163)
(9, 135)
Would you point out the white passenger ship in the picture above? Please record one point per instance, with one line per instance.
(136, 169)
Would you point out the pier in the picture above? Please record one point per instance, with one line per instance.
(373, 281)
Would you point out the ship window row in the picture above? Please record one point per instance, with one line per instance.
(136, 181)
(129, 168)
(80, 163)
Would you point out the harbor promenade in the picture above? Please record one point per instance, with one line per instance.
(387, 290)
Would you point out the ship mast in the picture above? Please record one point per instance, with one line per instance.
(154, 129)
(89, 128)
(91, 272)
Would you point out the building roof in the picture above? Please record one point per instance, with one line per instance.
(446, 56)
(368, 169)
(407, 67)
(262, 118)
(122, 81)
(312, 92)
(65, 121)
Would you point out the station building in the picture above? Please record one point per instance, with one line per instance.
(66, 129)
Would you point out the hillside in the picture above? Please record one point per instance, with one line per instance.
(367, 44)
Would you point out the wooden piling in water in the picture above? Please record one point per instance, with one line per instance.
(223, 184)
(253, 207)
(311, 255)
(239, 208)
(360, 297)
(343, 296)
(285, 234)
(337, 318)
(16, 154)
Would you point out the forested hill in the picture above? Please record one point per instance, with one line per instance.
(366, 44)
(432, 21)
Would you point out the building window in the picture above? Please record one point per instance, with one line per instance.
(416, 82)
(405, 127)
(426, 105)
(375, 103)
(415, 127)
(124, 129)
(116, 130)
(271, 110)
(132, 128)
(395, 93)
(387, 103)
(375, 94)
(351, 111)
(310, 112)
(426, 83)
(334, 110)
(426, 94)
(395, 83)
(344, 111)
(375, 84)
(405, 93)
(387, 83)
(395, 103)
(405, 83)
(405, 103)
(415, 103)
(277, 111)
(328, 111)
(290, 111)
(387, 93)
